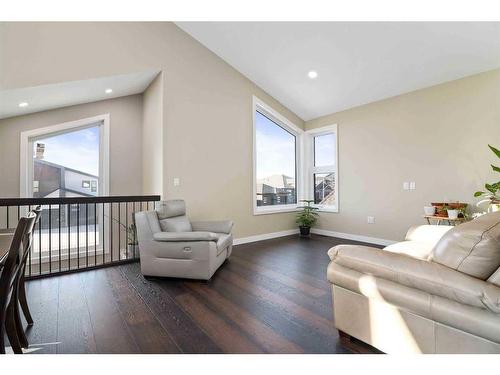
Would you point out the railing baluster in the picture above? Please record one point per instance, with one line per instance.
(86, 234)
(69, 236)
(59, 233)
(111, 230)
(50, 238)
(31, 252)
(8, 226)
(103, 234)
(127, 234)
(119, 231)
(78, 235)
(40, 244)
(95, 234)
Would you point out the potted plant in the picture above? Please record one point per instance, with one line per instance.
(132, 243)
(307, 217)
(492, 193)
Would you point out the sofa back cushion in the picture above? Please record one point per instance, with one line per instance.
(172, 216)
(472, 248)
(495, 277)
(176, 224)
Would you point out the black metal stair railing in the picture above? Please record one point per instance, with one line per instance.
(78, 233)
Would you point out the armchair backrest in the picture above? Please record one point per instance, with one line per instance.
(172, 216)
(472, 248)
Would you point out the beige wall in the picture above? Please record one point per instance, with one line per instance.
(152, 138)
(436, 137)
(207, 105)
(125, 141)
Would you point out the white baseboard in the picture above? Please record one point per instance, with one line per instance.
(329, 233)
(354, 237)
(265, 236)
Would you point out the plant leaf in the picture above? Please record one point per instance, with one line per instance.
(490, 188)
(496, 151)
(479, 193)
(496, 169)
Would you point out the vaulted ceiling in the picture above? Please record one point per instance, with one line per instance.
(356, 62)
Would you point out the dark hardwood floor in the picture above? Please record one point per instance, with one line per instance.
(269, 297)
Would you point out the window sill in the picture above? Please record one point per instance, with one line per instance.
(274, 210)
(333, 210)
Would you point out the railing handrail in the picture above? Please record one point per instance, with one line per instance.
(5, 202)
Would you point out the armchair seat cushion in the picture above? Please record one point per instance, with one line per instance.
(423, 275)
(184, 236)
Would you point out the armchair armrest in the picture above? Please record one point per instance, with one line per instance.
(427, 276)
(220, 226)
(184, 236)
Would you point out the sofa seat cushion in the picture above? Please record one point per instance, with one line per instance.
(426, 276)
(472, 248)
(414, 249)
(184, 236)
(223, 241)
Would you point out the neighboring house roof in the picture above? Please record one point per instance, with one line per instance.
(278, 181)
(42, 161)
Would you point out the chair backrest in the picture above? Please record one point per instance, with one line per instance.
(12, 263)
(172, 216)
(28, 235)
(472, 248)
(27, 241)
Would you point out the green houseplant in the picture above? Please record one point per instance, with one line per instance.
(492, 193)
(307, 217)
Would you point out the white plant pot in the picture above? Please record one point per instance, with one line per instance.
(453, 214)
(494, 207)
(429, 210)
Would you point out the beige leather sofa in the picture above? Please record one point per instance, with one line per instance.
(172, 246)
(436, 292)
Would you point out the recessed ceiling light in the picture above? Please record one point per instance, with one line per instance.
(23, 104)
(312, 74)
(108, 91)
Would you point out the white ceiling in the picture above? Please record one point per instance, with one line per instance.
(42, 98)
(357, 62)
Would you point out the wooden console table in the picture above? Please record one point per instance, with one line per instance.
(439, 219)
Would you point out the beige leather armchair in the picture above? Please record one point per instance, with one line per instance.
(172, 246)
(436, 292)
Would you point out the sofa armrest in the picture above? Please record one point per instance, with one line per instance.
(184, 236)
(427, 276)
(219, 226)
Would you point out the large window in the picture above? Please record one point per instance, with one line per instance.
(276, 161)
(61, 161)
(291, 164)
(323, 180)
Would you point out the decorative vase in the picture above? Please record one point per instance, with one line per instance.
(305, 231)
(429, 210)
(453, 214)
(494, 207)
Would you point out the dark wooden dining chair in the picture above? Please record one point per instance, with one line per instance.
(7, 285)
(20, 288)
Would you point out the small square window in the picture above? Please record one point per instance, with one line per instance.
(86, 184)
